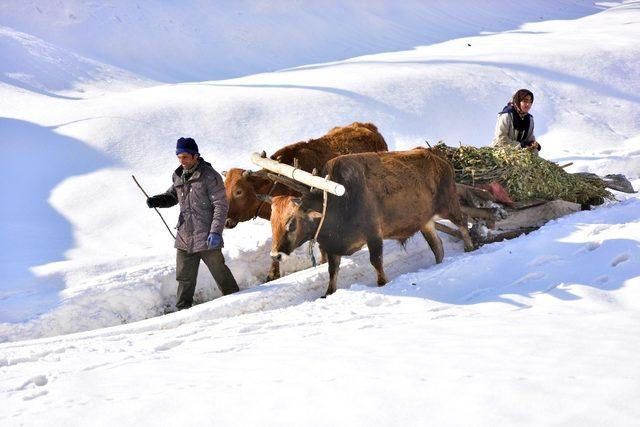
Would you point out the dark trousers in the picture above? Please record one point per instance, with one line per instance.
(187, 272)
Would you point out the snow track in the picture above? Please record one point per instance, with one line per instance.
(142, 284)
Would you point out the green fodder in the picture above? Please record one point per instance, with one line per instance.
(524, 175)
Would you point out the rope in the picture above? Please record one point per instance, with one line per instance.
(315, 237)
(261, 202)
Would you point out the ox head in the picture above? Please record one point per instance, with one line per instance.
(291, 223)
(240, 186)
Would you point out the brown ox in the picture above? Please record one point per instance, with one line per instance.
(388, 196)
(243, 187)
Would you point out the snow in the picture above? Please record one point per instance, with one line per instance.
(537, 330)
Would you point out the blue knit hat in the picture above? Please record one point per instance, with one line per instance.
(186, 145)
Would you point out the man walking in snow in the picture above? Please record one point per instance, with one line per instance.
(200, 191)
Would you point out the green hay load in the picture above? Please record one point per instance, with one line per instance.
(524, 175)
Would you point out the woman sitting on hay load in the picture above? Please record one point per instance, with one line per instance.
(515, 124)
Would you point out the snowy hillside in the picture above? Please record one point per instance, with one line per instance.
(102, 240)
(548, 320)
(195, 40)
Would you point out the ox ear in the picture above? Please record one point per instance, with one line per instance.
(313, 215)
(264, 198)
(297, 201)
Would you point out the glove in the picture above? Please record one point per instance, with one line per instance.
(154, 201)
(161, 201)
(214, 241)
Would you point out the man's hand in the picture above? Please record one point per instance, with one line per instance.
(154, 201)
(214, 241)
(161, 201)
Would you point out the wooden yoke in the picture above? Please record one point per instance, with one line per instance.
(298, 175)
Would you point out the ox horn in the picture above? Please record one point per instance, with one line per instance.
(224, 173)
(260, 173)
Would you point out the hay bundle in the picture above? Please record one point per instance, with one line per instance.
(524, 175)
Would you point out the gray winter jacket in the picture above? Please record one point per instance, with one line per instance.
(203, 206)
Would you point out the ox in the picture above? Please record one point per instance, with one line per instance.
(389, 195)
(243, 187)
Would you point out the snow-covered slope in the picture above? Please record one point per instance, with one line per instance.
(34, 65)
(582, 71)
(538, 330)
(202, 40)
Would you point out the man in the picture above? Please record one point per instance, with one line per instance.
(203, 210)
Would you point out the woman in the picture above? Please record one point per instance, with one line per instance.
(515, 124)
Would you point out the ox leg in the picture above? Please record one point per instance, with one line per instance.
(334, 267)
(466, 237)
(274, 271)
(323, 256)
(375, 256)
(460, 220)
(434, 241)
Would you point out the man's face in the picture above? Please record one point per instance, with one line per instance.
(187, 160)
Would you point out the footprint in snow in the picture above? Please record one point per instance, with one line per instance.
(35, 395)
(551, 287)
(589, 247)
(475, 294)
(442, 316)
(602, 279)
(38, 380)
(168, 346)
(249, 328)
(543, 259)
(536, 275)
(619, 260)
(599, 229)
(375, 301)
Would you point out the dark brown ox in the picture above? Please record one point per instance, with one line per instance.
(243, 186)
(388, 196)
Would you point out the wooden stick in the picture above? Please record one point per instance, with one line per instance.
(156, 209)
(507, 235)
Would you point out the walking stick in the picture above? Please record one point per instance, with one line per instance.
(156, 209)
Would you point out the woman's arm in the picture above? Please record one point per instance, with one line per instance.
(503, 129)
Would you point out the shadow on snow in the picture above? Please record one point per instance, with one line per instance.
(33, 233)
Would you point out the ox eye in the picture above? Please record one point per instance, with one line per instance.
(238, 193)
(291, 225)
